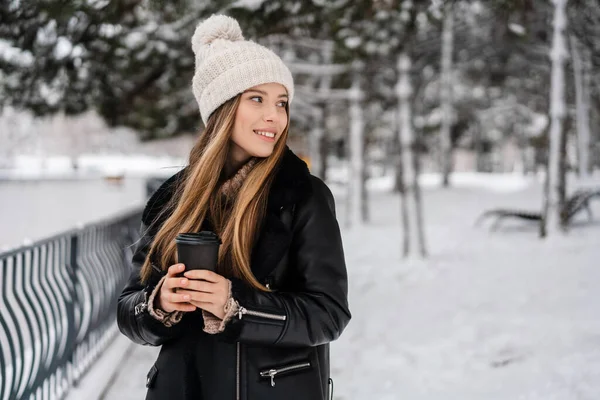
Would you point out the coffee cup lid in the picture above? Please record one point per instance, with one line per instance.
(195, 237)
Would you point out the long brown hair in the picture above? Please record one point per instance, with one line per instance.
(196, 198)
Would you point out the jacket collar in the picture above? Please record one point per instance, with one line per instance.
(291, 184)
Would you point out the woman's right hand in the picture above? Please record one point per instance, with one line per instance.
(169, 300)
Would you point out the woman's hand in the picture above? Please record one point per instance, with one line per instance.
(207, 290)
(171, 297)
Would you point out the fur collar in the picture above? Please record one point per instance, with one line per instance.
(290, 186)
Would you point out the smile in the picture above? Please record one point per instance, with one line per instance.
(266, 134)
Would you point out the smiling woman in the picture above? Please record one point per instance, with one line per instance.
(260, 120)
(260, 324)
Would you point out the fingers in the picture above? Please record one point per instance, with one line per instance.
(175, 269)
(200, 297)
(176, 282)
(170, 298)
(204, 274)
(177, 297)
(203, 286)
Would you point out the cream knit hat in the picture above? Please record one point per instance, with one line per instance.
(227, 65)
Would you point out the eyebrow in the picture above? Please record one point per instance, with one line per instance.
(265, 93)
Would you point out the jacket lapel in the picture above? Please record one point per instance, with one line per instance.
(290, 186)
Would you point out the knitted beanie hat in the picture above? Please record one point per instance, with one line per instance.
(227, 65)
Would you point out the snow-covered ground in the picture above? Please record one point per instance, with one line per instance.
(497, 315)
(489, 315)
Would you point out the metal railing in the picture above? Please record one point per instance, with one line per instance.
(58, 306)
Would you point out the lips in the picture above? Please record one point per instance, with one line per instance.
(265, 133)
(266, 136)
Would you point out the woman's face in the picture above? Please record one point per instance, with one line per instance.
(260, 120)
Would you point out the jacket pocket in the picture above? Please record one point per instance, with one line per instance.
(284, 370)
(151, 377)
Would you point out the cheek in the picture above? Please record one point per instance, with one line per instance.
(284, 122)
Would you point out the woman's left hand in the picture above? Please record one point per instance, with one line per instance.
(208, 291)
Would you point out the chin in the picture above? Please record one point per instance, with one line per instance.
(262, 153)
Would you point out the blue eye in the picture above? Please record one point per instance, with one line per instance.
(282, 104)
(256, 99)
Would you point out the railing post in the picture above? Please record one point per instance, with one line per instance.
(71, 313)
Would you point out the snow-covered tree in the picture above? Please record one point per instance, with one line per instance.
(410, 195)
(552, 221)
(581, 79)
(357, 163)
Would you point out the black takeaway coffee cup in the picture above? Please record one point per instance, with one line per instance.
(198, 250)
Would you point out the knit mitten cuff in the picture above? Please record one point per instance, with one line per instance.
(168, 319)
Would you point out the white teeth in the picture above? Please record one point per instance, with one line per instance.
(267, 134)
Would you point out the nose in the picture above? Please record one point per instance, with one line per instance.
(270, 113)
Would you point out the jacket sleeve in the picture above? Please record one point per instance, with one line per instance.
(133, 318)
(317, 312)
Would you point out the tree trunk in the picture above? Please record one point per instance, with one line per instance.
(356, 153)
(413, 240)
(418, 199)
(318, 148)
(324, 153)
(583, 111)
(446, 94)
(551, 221)
(315, 142)
(363, 185)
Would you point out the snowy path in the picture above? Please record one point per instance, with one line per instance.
(488, 316)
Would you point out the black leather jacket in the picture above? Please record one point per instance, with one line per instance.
(278, 346)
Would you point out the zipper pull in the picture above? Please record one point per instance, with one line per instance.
(140, 308)
(241, 312)
(272, 373)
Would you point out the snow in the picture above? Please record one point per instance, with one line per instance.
(135, 39)
(90, 166)
(109, 30)
(63, 48)
(251, 5)
(489, 315)
(14, 55)
(353, 42)
(517, 29)
(498, 315)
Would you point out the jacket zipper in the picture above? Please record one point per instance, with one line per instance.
(271, 373)
(237, 373)
(243, 311)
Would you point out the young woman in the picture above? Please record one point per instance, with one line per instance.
(259, 328)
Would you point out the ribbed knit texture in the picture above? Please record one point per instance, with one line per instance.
(227, 65)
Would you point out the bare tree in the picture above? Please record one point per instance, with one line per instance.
(357, 167)
(446, 93)
(551, 219)
(411, 210)
(583, 110)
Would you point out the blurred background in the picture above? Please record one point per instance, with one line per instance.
(460, 139)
